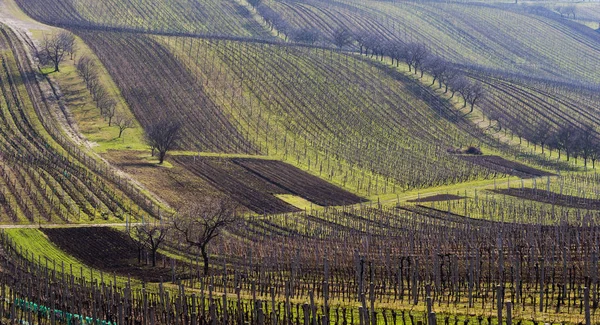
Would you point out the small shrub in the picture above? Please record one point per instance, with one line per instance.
(473, 151)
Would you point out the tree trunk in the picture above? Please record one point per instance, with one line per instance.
(154, 256)
(205, 259)
(120, 132)
(161, 156)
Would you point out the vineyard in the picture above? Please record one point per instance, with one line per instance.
(40, 178)
(303, 115)
(483, 35)
(299, 162)
(171, 17)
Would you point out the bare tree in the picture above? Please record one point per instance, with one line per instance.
(108, 108)
(461, 85)
(414, 55)
(542, 133)
(162, 136)
(152, 235)
(476, 93)
(342, 37)
(307, 35)
(202, 222)
(436, 67)
(587, 142)
(86, 69)
(394, 50)
(123, 123)
(563, 140)
(449, 77)
(97, 90)
(137, 242)
(54, 48)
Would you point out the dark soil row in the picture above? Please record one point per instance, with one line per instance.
(108, 250)
(504, 166)
(299, 183)
(551, 198)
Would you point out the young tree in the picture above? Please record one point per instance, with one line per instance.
(123, 123)
(162, 136)
(54, 48)
(202, 222)
(152, 236)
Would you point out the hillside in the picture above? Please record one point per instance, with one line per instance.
(358, 122)
(218, 17)
(502, 38)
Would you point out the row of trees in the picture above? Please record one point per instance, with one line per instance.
(576, 142)
(419, 60)
(197, 224)
(52, 52)
(87, 69)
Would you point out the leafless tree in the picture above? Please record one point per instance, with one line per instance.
(307, 35)
(342, 37)
(108, 108)
(86, 68)
(476, 92)
(436, 67)
(97, 90)
(586, 142)
(123, 123)
(152, 235)
(162, 136)
(202, 222)
(563, 140)
(54, 48)
(414, 55)
(460, 84)
(449, 77)
(542, 133)
(394, 50)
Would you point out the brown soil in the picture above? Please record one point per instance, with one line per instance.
(177, 185)
(551, 198)
(109, 250)
(504, 166)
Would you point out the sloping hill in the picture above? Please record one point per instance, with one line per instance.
(327, 110)
(157, 86)
(506, 38)
(222, 17)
